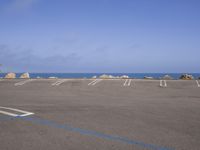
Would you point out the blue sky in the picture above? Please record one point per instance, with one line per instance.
(100, 35)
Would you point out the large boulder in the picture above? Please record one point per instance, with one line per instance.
(167, 77)
(25, 76)
(94, 77)
(104, 76)
(10, 75)
(124, 77)
(53, 77)
(186, 77)
(146, 77)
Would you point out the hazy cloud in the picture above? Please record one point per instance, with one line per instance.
(25, 60)
(18, 5)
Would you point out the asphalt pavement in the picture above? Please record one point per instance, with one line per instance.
(94, 114)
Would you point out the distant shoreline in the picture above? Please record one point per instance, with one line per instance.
(175, 76)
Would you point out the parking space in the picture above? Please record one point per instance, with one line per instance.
(146, 84)
(94, 82)
(24, 82)
(132, 83)
(182, 84)
(9, 82)
(108, 115)
(59, 82)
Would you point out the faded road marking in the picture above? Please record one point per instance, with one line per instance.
(163, 83)
(127, 82)
(5, 111)
(59, 82)
(95, 82)
(198, 85)
(23, 82)
(93, 133)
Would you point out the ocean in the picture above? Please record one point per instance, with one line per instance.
(90, 75)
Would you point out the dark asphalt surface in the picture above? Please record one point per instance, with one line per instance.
(106, 116)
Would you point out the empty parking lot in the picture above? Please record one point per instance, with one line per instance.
(130, 114)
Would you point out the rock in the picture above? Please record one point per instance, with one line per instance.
(25, 76)
(199, 78)
(146, 77)
(186, 77)
(52, 77)
(94, 77)
(110, 76)
(10, 75)
(167, 77)
(104, 76)
(124, 77)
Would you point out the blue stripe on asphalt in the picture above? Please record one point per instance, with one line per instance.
(6, 118)
(91, 133)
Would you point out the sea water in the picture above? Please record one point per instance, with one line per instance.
(90, 75)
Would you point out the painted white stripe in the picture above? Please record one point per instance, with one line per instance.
(24, 82)
(59, 82)
(127, 82)
(25, 113)
(95, 81)
(163, 83)
(99, 80)
(198, 85)
(7, 113)
(92, 82)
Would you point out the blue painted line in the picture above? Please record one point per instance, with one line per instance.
(6, 118)
(92, 133)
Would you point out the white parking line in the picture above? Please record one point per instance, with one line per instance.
(25, 113)
(127, 82)
(95, 81)
(197, 83)
(92, 82)
(163, 83)
(59, 82)
(24, 82)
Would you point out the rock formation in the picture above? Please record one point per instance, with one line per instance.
(94, 77)
(104, 76)
(10, 75)
(146, 77)
(52, 77)
(124, 77)
(167, 77)
(25, 76)
(186, 77)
